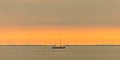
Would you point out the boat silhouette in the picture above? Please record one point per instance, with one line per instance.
(59, 46)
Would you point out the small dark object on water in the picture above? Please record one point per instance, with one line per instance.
(58, 47)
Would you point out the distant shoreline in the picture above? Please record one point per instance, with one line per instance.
(62, 45)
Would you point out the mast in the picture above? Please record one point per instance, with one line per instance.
(60, 42)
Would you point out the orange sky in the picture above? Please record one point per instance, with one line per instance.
(51, 35)
(74, 21)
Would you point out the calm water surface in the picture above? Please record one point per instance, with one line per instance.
(70, 53)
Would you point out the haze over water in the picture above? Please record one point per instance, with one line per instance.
(70, 53)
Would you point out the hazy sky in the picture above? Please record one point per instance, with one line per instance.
(74, 21)
(60, 12)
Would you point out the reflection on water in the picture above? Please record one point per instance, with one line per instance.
(71, 53)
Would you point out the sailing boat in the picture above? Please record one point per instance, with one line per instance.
(59, 46)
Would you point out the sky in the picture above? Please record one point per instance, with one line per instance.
(45, 21)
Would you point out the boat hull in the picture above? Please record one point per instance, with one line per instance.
(58, 47)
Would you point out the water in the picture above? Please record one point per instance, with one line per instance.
(70, 53)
